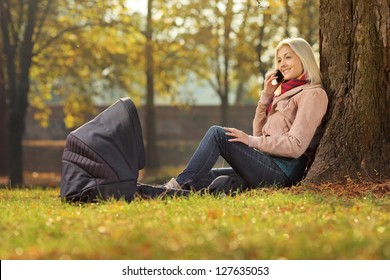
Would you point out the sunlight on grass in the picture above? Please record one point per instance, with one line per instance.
(35, 224)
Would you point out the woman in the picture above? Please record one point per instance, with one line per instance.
(284, 127)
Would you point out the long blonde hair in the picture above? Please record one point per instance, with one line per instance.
(305, 53)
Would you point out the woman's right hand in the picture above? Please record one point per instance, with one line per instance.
(269, 89)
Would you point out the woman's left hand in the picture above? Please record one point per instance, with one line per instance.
(238, 135)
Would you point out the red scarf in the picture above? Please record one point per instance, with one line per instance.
(288, 85)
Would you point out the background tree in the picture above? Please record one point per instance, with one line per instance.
(224, 37)
(150, 116)
(18, 30)
(88, 56)
(3, 123)
(29, 28)
(168, 62)
(355, 63)
(305, 15)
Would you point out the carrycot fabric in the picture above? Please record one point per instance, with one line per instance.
(103, 157)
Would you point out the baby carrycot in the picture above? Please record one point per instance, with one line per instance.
(103, 157)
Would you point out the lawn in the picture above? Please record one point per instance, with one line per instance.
(303, 222)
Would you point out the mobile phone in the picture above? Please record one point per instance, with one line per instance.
(279, 78)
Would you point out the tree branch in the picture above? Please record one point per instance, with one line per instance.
(69, 29)
(20, 14)
(10, 24)
(59, 35)
(42, 20)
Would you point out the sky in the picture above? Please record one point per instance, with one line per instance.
(138, 5)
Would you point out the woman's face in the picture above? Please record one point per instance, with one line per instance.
(288, 63)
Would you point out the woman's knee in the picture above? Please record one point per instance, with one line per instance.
(216, 130)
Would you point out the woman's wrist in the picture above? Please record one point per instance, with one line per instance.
(265, 98)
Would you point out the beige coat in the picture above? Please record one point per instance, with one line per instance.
(289, 127)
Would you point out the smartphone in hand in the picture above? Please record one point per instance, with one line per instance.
(279, 77)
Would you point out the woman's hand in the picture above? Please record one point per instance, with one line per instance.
(238, 135)
(269, 88)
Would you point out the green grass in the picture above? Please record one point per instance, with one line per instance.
(261, 224)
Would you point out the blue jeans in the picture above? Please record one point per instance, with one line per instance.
(252, 167)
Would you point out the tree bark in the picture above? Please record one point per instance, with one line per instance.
(18, 55)
(355, 63)
(3, 123)
(228, 19)
(150, 118)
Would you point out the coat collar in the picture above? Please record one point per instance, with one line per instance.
(294, 91)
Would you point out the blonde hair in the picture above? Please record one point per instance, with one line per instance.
(305, 53)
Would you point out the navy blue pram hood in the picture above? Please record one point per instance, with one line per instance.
(103, 157)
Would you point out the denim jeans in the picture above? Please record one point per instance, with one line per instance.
(252, 167)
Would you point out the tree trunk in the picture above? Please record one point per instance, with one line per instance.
(228, 19)
(18, 55)
(240, 91)
(355, 63)
(3, 124)
(15, 131)
(224, 111)
(150, 119)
